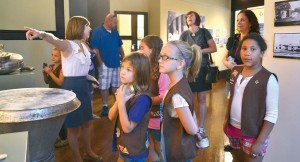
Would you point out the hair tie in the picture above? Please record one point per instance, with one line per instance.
(192, 48)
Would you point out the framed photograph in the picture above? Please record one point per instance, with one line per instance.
(287, 13)
(287, 45)
(176, 24)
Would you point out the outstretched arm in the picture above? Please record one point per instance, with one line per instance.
(60, 44)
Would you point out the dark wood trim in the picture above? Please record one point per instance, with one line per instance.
(134, 32)
(126, 37)
(244, 4)
(239, 5)
(133, 36)
(60, 26)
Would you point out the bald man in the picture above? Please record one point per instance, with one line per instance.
(108, 45)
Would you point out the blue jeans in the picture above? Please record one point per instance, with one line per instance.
(132, 160)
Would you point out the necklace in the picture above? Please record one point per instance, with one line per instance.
(194, 33)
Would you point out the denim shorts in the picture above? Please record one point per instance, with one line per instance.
(144, 159)
(155, 134)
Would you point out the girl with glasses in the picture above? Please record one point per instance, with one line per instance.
(180, 135)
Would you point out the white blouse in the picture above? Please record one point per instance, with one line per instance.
(177, 102)
(78, 62)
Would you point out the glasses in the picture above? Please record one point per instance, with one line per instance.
(165, 57)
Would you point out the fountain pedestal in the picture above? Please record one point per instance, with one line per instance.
(41, 112)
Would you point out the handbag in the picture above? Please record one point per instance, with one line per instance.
(212, 75)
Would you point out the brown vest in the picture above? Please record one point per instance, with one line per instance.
(133, 143)
(154, 89)
(56, 72)
(179, 145)
(254, 101)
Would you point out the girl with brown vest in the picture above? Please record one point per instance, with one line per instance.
(151, 46)
(179, 131)
(253, 104)
(132, 109)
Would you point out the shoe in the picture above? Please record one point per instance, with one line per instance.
(61, 143)
(227, 148)
(91, 158)
(204, 142)
(95, 117)
(104, 111)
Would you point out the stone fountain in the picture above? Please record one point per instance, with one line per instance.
(41, 112)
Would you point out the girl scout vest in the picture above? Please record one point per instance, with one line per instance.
(254, 101)
(179, 145)
(133, 143)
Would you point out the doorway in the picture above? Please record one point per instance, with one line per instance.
(132, 27)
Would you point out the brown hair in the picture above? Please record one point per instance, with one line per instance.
(254, 28)
(191, 55)
(155, 43)
(198, 19)
(76, 27)
(258, 39)
(141, 67)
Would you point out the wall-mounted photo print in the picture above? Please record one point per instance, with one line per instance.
(287, 45)
(176, 24)
(287, 13)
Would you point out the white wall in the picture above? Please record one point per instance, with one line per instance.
(34, 52)
(216, 12)
(284, 140)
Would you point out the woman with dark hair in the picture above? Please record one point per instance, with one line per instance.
(75, 66)
(200, 37)
(246, 23)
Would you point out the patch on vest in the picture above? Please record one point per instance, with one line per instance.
(234, 73)
(155, 114)
(123, 149)
(256, 82)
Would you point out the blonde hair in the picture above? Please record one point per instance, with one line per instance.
(75, 27)
(141, 67)
(192, 55)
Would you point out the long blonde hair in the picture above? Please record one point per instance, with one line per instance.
(192, 55)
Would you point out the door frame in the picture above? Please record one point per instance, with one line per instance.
(133, 36)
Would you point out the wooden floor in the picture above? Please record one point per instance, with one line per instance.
(103, 130)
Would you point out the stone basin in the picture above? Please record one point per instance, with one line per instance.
(41, 112)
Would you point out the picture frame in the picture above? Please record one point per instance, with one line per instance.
(287, 45)
(287, 13)
(59, 31)
(176, 24)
